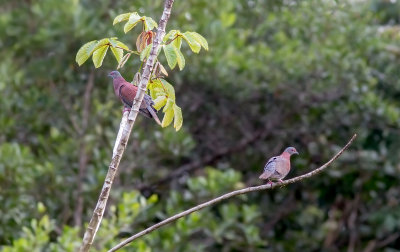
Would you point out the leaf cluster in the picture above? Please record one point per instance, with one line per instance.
(162, 92)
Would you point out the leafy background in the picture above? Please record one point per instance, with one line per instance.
(302, 73)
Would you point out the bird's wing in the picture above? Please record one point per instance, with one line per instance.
(147, 102)
(127, 94)
(269, 168)
(282, 166)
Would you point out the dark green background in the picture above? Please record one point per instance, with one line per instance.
(308, 74)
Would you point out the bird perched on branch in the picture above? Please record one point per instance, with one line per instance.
(278, 167)
(126, 92)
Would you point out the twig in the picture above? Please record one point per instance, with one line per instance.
(125, 129)
(229, 195)
(374, 244)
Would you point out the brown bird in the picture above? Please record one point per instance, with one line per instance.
(278, 167)
(126, 92)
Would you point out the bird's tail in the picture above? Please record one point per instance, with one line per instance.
(153, 114)
(264, 176)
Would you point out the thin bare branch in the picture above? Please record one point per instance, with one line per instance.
(229, 195)
(125, 129)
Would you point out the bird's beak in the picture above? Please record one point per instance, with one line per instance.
(296, 153)
(109, 75)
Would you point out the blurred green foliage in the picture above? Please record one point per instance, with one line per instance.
(303, 73)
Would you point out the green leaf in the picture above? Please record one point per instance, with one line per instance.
(122, 17)
(84, 52)
(159, 102)
(228, 19)
(113, 41)
(173, 54)
(170, 89)
(193, 44)
(180, 59)
(101, 43)
(200, 39)
(177, 43)
(156, 89)
(170, 35)
(170, 54)
(178, 118)
(98, 56)
(168, 117)
(146, 52)
(122, 45)
(149, 24)
(118, 53)
(41, 208)
(134, 18)
(169, 105)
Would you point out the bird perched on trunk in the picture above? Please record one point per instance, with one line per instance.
(126, 92)
(278, 167)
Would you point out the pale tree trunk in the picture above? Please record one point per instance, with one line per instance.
(124, 132)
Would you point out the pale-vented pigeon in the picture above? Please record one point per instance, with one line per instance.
(278, 167)
(126, 92)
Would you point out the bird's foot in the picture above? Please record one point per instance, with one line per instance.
(281, 183)
(126, 109)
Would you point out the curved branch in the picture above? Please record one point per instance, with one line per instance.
(229, 195)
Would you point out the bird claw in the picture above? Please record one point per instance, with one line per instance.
(281, 183)
(126, 109)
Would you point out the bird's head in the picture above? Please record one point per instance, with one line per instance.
(291, 150)
(114, 74)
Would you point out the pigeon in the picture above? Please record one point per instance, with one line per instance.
(278, 167)
(126, 92)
